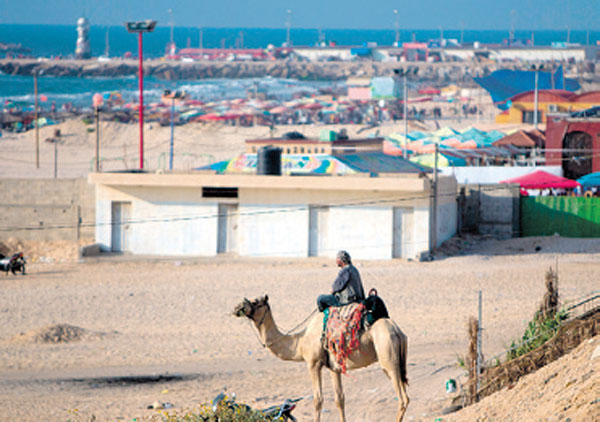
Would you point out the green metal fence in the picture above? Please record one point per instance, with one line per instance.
(566, 215)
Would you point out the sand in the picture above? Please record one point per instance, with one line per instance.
(195, 144)
(165, 324)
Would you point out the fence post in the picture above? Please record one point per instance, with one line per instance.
(479, 349)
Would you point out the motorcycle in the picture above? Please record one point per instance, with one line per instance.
(13, 264)
(281, 413)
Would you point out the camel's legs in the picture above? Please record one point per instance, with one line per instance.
(340, 400)
(315, 375)
(391, 354)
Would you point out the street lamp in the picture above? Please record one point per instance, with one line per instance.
(171, 49)
(397, 26)
(140, 28)
(536, 69)
(404, 74)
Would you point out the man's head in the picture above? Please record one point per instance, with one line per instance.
(343, 258)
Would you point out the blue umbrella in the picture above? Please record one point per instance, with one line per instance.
(590, 180)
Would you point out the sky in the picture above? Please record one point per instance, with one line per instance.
(325, 14)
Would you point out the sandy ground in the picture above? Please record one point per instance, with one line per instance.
(172, 317)
(195, 145)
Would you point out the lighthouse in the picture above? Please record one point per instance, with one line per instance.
(82, 48)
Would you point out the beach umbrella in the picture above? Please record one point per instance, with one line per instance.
(279, 110)
(590, 180)
(542, 180)
(428, 160)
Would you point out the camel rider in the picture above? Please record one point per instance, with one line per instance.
(347, 287)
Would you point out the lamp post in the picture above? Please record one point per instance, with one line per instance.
(536, 69)
(140, 28)
(97, 101)
(397, 27)
(288, 25)
(404, 74)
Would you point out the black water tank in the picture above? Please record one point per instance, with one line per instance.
(269, 161)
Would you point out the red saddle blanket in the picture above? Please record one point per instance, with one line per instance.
(342, 331)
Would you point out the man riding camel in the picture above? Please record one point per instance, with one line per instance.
(347, 287)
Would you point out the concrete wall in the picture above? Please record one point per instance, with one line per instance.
(373, 218)
(272, 230)
(47, 209)
(490, 209)
(447, 211)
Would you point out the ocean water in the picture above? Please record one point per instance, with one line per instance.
(79, 91)
(59, 40)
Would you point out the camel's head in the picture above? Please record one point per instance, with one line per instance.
(249, 309)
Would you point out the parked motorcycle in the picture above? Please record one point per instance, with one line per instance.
(279, 413)
(13, 264)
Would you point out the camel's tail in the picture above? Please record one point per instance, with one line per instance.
(403, 358)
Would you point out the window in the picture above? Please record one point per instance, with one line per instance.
(302, 150)
(214, 192)
(288, 150)
(253, 149)
(295, 150)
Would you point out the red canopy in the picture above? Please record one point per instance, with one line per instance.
(542, 180)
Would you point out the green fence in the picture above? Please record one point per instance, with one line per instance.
(566, 215)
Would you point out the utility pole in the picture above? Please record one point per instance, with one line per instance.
(106, 44)
(35, 114)
(435, 196)
(536, 69)
(404, 74)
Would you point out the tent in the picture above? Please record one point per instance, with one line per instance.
(590, 180)
(504, 84)
(542, 180)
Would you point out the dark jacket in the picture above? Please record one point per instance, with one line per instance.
(348, 287)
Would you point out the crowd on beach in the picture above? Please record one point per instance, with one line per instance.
(180, 108)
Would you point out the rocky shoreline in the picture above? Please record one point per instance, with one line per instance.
(450, 72)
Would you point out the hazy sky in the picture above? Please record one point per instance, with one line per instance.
(351, 14)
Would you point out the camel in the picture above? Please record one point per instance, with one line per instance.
(382, 342)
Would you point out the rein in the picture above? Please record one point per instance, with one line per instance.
(262, 319)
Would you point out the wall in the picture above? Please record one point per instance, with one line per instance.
(489, 209)
(272, 230)
(50, 209)
(163, 221)
(276, 220)
(447, 212)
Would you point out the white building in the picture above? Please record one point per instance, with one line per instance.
(201, 214)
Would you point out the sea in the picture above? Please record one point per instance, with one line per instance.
(53, 41)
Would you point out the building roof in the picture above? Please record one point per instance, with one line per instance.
(519, 139)
(377, 162)
(371, 163)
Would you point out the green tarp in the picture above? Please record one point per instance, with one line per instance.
(568, 216)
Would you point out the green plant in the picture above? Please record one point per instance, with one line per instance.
(225, 411)
(538, 332)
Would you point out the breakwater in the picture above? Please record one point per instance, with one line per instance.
(300, 70)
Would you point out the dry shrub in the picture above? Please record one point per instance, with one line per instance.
(567, 338)
(549, 305)
(471, 360)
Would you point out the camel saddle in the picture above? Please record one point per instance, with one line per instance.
(342, 325)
